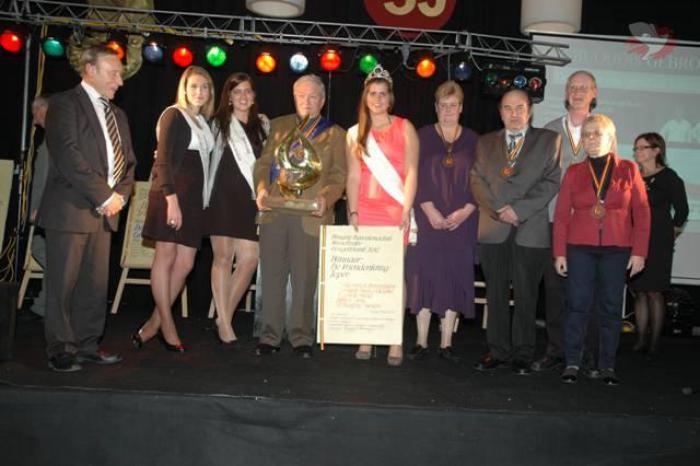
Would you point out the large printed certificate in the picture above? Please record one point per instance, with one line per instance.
(360, 298)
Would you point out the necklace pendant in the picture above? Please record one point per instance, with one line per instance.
(448, 161)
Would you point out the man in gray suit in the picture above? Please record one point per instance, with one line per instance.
(40, 106)
(515, 175)
(90, 178)
(580, 100)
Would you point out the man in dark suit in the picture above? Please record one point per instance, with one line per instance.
(515, 175)
(90, 178)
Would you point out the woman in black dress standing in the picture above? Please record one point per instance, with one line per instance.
(665, 191)
(180, 188)
(240, 134)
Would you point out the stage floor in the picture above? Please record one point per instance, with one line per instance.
(227, 406)
(649, 386)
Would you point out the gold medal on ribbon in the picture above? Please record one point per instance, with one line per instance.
(598, 210)
(512, 158)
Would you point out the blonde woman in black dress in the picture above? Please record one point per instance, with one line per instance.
(240, 134)
(180, 189)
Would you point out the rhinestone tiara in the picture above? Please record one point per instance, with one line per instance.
(379, 73)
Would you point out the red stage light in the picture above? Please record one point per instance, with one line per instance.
(425, 68)
(330, 60)
(183, 57)
(117, 47)
(11, 41)
(266, 63)
(535, 83)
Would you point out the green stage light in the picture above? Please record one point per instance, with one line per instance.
(216, 56)
(53, 47)
(368, 63)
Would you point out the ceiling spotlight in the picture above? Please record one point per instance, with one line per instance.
(153, 52)
(535, 83)
(519, 81)
(266, 63)
(298, 62)
(53, 47)
(367, 63)
(216, 56)
(462, 71)
(183, 57)
(330, 60)
(117, 47)
(11, 41)
(426, 68)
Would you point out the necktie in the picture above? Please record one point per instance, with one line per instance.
(118, 172)
(512, 140)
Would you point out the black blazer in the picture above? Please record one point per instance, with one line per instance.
(77, 180)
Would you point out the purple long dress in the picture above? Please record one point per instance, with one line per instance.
(440, 267)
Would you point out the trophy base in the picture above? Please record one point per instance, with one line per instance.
(292, 206)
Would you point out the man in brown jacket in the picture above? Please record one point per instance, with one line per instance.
(289, 242)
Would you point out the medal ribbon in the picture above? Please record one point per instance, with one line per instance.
(514, 152)
(598, 183)
(575, 148)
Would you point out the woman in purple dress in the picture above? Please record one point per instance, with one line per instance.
(440, 267)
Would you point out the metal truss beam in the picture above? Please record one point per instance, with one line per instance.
(247, 28)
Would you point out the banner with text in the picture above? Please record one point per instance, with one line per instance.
(361, 280)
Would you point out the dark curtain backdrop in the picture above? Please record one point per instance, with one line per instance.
(153, 87)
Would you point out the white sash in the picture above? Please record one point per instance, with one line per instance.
(386, 175)
(205, 145)
(242, 152)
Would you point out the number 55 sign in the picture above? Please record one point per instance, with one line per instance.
(420, 14)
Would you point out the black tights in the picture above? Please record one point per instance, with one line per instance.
(649, 305)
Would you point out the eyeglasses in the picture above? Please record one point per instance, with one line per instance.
(638, 148)
(592, 134)
(448, 106)
(575, 89)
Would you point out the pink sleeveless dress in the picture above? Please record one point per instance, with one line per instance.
(375, 206)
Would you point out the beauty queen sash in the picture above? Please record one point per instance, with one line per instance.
(386, 175)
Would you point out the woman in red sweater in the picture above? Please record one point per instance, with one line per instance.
(601, 231)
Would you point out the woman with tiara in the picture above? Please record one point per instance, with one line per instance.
(382, 156)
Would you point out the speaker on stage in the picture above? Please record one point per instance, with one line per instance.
(8, 309)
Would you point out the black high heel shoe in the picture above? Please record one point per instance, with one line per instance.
(136, 339)
(180, 348)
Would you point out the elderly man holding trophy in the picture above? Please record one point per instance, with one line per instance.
(299, 177)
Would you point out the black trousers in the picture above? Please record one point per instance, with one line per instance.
(555, 314)
(503, 264)
(77, 272)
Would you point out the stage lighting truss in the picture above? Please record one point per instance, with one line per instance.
(268, 30)
(498, 78)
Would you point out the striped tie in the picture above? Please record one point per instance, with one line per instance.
(119, 164)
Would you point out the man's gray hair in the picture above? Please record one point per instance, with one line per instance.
(312, 79)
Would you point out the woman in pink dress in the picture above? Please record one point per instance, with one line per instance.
(371, 199)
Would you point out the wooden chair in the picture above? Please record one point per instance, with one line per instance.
(31, 269)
